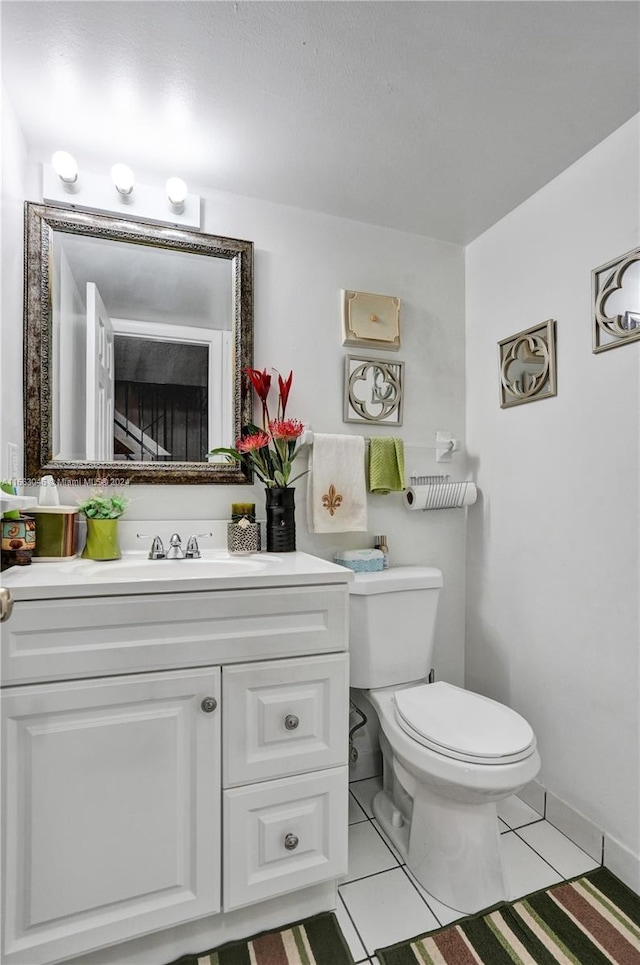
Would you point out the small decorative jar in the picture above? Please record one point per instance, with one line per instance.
(18, 540)
(243, 533)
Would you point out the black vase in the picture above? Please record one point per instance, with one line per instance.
(281, 520)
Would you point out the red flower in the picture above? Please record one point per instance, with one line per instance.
(284, 388)
(250, 443)
(288, 429)
(261, 381)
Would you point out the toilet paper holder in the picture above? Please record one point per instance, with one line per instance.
(439, 492)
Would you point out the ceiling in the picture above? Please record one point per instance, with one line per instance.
(431, 117)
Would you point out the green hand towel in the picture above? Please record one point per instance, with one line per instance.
(386, 465)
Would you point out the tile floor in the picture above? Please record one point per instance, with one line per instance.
(381, 903)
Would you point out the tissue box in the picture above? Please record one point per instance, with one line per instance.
(55, 532)
(361, 561)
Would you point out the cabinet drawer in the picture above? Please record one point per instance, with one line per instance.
(283, 717)
(65, 639)
(284, 835)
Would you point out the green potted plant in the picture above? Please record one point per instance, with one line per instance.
(102, 514)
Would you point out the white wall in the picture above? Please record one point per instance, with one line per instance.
(302, 260)
(14, 166)
(553, 574)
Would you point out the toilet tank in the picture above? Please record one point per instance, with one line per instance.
(392, 617)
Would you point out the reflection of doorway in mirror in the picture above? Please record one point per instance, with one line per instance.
(172, 391)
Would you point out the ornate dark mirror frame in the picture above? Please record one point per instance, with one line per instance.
(40, 223)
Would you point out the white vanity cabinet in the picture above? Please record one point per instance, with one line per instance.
(192, 761)
(112, 810)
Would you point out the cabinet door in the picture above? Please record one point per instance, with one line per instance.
(112, 811)
(284, 717)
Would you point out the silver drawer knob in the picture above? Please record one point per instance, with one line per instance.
(209, 704)
(291, 842)
(291, 721)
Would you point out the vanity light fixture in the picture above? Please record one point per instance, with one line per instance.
(122, 177)
(66, 167)
(177, 193)
(171, 205)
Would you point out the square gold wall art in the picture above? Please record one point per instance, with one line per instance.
(371, 321)
(528, 365)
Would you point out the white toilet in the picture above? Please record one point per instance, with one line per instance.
(448, 754)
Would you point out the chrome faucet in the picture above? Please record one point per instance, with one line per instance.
(193, 550)
(157, 547)
(175, 551)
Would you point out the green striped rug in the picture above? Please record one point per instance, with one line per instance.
(593, 920)
(314, 941)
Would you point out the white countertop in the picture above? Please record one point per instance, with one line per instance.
(136, 574)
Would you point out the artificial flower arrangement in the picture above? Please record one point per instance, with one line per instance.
(98, 506)
(269, 451)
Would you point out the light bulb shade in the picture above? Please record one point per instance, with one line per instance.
(176, 191)
(65, 166)
(122, 177)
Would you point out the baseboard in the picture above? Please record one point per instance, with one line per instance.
(622, 862)
(575, 826)
(566, 819)
(533, 794)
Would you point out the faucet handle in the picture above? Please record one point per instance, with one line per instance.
(157, 547)
(193, 550)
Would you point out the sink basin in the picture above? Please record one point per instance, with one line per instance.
(137, 568)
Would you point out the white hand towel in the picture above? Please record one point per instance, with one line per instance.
(336, 489)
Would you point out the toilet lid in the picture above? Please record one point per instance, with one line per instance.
(464, 725)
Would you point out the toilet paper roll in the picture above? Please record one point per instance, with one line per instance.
(441, 495)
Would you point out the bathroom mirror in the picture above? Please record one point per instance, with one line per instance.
(528, 365)
(136, 338)
(616, 302)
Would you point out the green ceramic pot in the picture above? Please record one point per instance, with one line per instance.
(102, 540)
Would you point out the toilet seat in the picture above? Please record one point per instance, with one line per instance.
(463, 725)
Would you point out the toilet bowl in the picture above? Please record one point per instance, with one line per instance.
(449, 755)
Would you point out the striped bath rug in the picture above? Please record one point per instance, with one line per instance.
(593, 920)
(314, 941)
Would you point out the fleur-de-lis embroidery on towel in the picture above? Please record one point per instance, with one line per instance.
(331, 500)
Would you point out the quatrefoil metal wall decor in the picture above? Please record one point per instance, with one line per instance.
(528, 365)
(372, 390)
(616, 290)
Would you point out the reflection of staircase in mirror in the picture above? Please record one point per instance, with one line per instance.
(130, 442)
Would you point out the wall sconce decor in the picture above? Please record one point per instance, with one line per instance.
(615, 291)
(371, 321)
(372, 390)
(528, 365)
(119, 194)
